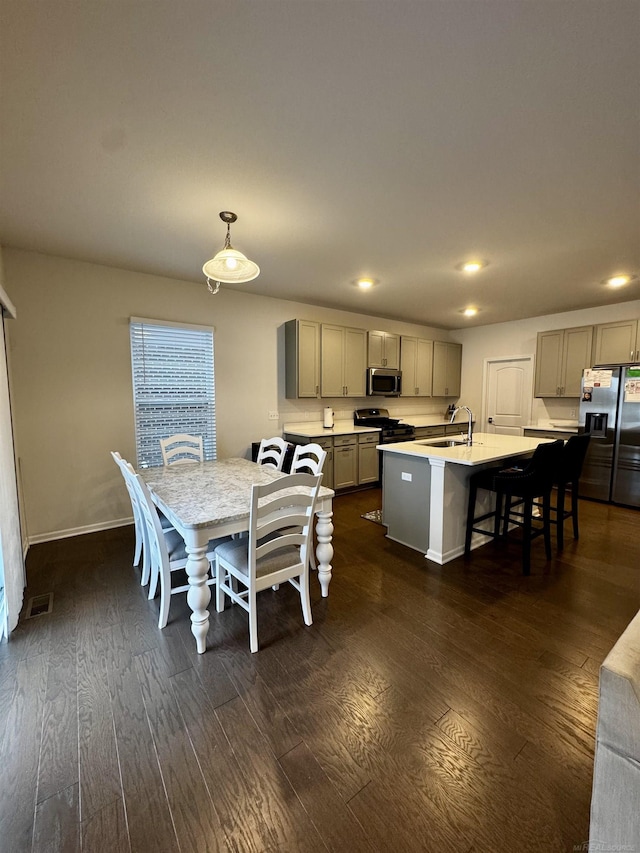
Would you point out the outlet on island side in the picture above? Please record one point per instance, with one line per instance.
(572, 413)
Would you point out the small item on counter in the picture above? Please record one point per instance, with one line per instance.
(450, 411)
(328, 417)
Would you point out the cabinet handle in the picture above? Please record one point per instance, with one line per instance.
(417, 392)
(317, 390)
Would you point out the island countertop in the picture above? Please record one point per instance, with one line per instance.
(486, 448)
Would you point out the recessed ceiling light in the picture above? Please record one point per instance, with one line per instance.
(365, 283)
(472, 266)
(619, 280)
(469, 312)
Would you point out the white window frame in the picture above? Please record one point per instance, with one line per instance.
(160, 408)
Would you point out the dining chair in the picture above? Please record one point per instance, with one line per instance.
(276, 550)
(272, 452)
(139, 549)
(167, 551)
(308, 459)
(180, 448)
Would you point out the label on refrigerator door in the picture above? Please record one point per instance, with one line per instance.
(632, 391)
(597, 378)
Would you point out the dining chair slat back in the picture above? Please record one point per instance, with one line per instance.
(272, 452)
(276, 550)
(181, 448)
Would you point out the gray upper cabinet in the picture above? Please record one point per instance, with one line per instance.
(302, 358)
(416, 363)
(447, 367)
(383, 350)
(617, 342)
(343, 361)
(561, 357)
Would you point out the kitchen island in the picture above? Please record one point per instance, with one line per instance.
(425, 489)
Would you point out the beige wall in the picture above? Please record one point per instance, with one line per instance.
(519, 338)
(72, 377)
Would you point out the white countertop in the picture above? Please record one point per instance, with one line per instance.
(485, 448)
(554, 428)
(314, 429)
(461, 419)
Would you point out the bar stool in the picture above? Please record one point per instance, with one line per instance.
(529, 485)
(572, 460)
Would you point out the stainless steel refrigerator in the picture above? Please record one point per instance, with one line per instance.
(610, 413)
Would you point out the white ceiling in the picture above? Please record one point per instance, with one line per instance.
(352, 137)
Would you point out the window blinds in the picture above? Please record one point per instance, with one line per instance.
(173, 386)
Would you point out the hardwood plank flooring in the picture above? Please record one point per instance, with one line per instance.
(441, 709)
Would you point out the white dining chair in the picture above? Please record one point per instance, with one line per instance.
(276, 550)
(139, 549)
(272, 452)
(308, 459)
(180, 448)
(167, 551)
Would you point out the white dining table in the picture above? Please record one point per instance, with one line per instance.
(206, 500)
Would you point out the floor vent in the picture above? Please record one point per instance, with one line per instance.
(39, 605)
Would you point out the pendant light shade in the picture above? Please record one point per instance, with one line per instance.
(229, 266)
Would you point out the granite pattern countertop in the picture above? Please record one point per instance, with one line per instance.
(204, 492)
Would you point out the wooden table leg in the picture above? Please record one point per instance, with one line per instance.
(324, 551)
(199, 594)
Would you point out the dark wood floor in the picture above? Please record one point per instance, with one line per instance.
(427, 709)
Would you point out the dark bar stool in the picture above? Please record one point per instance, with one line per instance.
(527, 486)
(572, 460)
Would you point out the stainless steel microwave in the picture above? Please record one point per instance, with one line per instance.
(383, 382)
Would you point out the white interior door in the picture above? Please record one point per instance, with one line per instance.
(508, 394)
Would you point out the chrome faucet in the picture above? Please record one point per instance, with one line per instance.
(468, 411)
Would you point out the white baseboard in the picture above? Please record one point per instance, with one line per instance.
(79, 531)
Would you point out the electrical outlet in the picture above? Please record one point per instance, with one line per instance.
(572, 413)
(273, 416)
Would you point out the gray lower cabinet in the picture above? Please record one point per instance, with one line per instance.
(551, 433)
(345, 461)
(429, 431)
(352, 460)
(368, 465)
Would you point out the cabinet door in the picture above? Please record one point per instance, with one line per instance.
(616, 342)
(355, 362)
(345, 466)
(424, 367)
(549, 363)
(302, 358)
(454, 369)
(368, 465)
(375, 349)
(576, 356)
(408, 361)
(332, 361)
(392, 351)
(447, 363)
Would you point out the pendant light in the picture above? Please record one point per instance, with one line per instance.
(229, 266)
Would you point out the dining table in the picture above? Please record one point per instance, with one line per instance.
(211, 499)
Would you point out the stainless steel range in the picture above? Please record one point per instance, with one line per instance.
(391, 429)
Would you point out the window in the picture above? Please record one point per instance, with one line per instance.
(173, 385)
